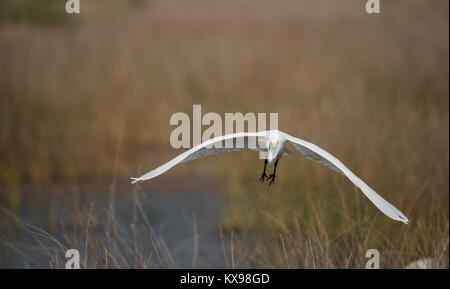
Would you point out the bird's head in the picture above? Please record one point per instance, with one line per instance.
(273, 148)
(272, 143)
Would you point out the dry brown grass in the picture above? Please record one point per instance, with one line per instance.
(372, 90)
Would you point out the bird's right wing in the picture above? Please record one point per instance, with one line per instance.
(208, 148)
(313, 152)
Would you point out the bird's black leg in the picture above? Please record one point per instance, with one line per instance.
(263, 175)
(272, 176)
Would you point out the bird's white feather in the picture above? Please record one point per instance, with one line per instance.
(202, 150)
(309, 150)
(330, 161)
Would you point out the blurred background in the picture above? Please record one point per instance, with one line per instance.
(86, 99)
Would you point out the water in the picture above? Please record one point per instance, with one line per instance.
(179, 228)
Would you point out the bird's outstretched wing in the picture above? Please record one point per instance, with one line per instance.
(313, 152)
(207, 148)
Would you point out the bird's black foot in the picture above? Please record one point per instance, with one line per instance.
(263, 177)
(271, 178)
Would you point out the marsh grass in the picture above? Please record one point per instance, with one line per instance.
(101, 239)
(312, 234)
(371, 90)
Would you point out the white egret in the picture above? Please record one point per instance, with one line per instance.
(272, 145)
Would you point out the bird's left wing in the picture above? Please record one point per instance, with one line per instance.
(313, 152)
(210, 147)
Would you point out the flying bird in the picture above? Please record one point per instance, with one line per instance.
(271, 144)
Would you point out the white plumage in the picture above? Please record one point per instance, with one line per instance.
(273, 146)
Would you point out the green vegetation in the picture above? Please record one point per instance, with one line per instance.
(37, 12)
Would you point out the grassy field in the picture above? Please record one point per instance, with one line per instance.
(88, 99)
